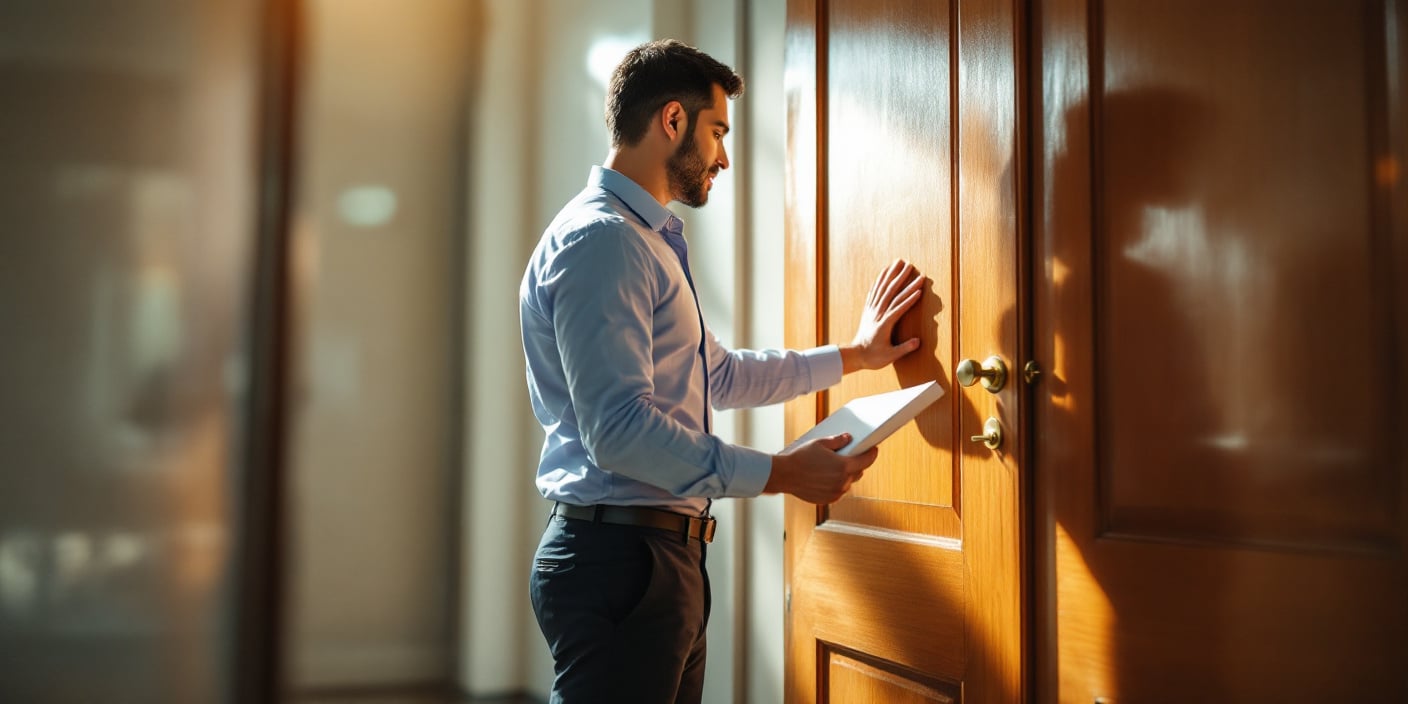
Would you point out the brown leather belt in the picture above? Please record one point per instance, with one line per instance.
(699, 528)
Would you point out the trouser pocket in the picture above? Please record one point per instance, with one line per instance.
(587, 577)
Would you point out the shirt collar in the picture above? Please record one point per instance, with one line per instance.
(657, 217)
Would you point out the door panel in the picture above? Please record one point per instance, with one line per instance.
(851, 678)
(909, 588)
(1221, 247)
(1254, 241)
(889, 156)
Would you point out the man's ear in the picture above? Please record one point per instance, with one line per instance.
(673, 120)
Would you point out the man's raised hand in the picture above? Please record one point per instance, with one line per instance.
(894, 292)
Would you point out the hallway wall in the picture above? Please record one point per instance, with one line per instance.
(375, 239)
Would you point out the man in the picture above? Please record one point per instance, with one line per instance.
(622, 372)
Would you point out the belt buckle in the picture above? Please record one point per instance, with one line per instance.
(705, 525)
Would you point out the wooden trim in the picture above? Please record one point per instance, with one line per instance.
(743, 217)
(955, 226)
(822, 222)
(258, 621)
(804, 313)
(991, 507)
(1385, 147)
(822, 226)
(1095, 129)
(458, 371)
(1397, 215)
(1022, 23)
(1041, 601)
(1062, 28)
(937, 521)
(913, 681)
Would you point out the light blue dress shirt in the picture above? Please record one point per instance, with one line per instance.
(622, 370)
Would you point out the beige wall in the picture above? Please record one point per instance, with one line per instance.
(377, 237)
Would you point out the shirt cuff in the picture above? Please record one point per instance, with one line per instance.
(751, 471)
(824, 366)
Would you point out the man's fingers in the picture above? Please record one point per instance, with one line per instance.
(892, 315)
(883, 279)
(905, 303)
(835, 442)
(886, 279)
(903, 349)
(894, 267)
(895, 284)
(864, 460)
(911, 287)
(898, 296)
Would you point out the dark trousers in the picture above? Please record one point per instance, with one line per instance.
(624, 611)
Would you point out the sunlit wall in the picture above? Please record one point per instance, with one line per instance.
(377, 236)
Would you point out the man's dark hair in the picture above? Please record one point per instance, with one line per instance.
(656, 73)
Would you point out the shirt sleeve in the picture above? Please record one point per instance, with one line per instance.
(752, 378)
(603, 288)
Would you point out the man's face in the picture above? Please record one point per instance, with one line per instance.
(700, 156)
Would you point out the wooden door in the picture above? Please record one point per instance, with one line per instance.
(1221, 299)
(908, 589)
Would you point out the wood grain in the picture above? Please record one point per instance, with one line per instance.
(855, 678)
(919, 572)
(803, 329)
(1221, 517)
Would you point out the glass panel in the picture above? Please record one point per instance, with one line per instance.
(126, 188)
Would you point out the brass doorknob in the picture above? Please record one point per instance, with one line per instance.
(992, 434)
(993, 373)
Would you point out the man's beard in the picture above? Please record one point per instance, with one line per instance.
(688, 176)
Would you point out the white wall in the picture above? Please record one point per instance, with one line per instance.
(537, 128)
(763, 275)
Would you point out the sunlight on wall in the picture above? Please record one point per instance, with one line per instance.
(608, 51)
(367, 206)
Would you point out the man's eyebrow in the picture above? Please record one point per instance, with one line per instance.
(721, 123)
